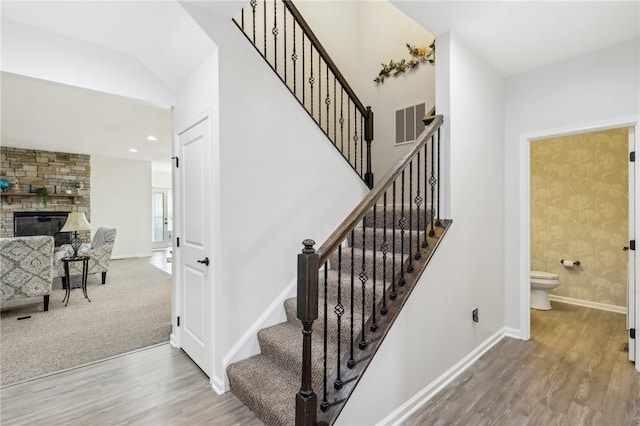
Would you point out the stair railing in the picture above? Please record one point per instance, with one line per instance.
(285, 40)
(403, 213)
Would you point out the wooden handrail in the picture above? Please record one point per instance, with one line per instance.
(323, 53)
(342, 232)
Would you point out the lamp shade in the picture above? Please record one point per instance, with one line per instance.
(76, 222)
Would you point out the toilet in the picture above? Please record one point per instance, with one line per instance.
(541, 283)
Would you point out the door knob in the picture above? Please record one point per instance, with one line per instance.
(625, 248)
(204, 261)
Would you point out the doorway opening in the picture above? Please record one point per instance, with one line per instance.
(579, 204)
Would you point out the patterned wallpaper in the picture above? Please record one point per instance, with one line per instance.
(579, 211)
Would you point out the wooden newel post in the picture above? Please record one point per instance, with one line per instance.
(308, 265)
(368, 137)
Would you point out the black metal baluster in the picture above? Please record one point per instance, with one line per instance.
(351, 362)
(374, 324)
(319, 91)
(294, 59)
(425, 242)
(361, 146)
(418, 201)
(355, 138)
(432, 182)
(403, 223)
(339, 311)
(438, 223)
(349, 130)
(304, 82)
(311, 79)
(385, 249)
(410, 265)
(393, 294)
(342, 120)
(325, 403)
(242, 20)
(253, 4)
(274, 31)
(327, 101)
(335, 112)
(363, 279)
(284, 9)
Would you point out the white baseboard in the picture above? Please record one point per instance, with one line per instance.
(513, 333)
(174, 341)
(588, 304)
(418, 400)
(218, 385)
(130, 256)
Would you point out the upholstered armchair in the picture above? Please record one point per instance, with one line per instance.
(99, 251)
(26, 267)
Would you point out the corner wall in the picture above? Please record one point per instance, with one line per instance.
(435, 331)
(122, 200)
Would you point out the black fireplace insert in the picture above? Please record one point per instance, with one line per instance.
(41, 223)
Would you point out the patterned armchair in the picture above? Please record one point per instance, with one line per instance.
(99, 251)
(26, 267)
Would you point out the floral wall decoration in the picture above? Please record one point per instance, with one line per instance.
(419, 55)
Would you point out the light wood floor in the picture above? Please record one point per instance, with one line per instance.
(573, 371)
(155, 386)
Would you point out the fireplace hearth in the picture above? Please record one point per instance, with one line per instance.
(41, 223)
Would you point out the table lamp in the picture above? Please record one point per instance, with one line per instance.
(76, 222)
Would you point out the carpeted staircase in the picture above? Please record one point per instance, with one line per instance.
(268, 382)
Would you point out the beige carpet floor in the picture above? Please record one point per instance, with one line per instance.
(131, 311)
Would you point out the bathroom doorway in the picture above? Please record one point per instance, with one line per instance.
(581, 207)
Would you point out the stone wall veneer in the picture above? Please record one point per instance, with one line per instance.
(24, 167)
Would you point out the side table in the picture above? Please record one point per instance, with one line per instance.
(85, 272)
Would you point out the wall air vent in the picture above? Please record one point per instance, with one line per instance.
(409, 123)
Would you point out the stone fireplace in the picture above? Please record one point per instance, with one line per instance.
(59, 172)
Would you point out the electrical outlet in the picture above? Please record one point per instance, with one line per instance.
(474, 315)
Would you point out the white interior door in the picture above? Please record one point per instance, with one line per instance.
(195, 269)
(631, 276)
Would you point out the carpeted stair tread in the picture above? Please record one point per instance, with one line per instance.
(380, 263)
(418, 217)
(282, 344)
(410, 239)
(266, 388)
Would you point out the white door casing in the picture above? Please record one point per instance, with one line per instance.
(524, 221)
(631, 277)
(194, 145)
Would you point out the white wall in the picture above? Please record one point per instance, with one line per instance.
(121, 199)
(279, 181)
(413, 87)
(61, 59)
(578, 92)
(435, 330)
(161, 179)
(360, 36)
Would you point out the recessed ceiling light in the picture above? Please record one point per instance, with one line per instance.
(151, 138)
(133, 150)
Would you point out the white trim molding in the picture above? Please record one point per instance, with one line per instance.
(588, 304)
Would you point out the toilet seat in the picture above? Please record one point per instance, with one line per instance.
(540, 275)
